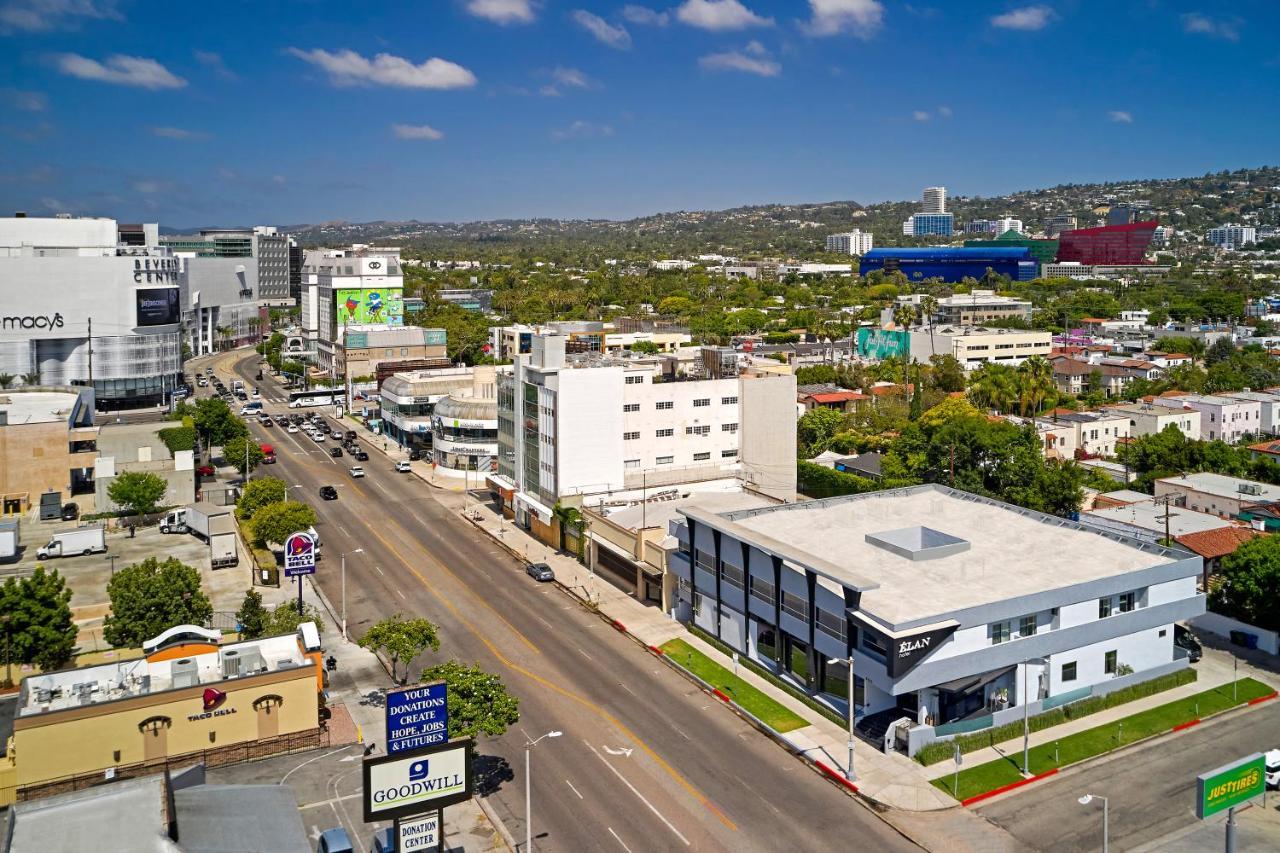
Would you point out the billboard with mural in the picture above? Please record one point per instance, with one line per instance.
(883, 343)
(376, 305)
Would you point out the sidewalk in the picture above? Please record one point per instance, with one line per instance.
(1214, 669)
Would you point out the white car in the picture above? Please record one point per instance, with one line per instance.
(317, 436)
(335, 435)
(403, 466)
(1272, 761)
(292, 428)
(357, 471)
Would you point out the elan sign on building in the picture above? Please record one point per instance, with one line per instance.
(408, 784)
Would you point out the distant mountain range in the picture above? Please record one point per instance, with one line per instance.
(1250, 196)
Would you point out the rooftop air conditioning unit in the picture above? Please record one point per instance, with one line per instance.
(230, 663)
(1250, 488)
(185, 673)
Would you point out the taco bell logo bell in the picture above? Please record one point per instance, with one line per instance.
(418, 770)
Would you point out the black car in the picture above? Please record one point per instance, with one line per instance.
(335, 451)
(415, 454)
(329, 493)
(540, 572)
(1185, 640)
(70, 512)
(361, 455)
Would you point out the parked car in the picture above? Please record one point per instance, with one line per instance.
(357, 471)
(540, 572)
(70, 512)
(329, 493)
(205, 470)
(335, 452)
(415, 454)
(403, 467)
(334, 840)
(317, 436)
(292, 428)
(1272, 761)
(1184, 639)
(266, 422)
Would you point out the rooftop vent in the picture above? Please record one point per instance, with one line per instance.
(918, 543)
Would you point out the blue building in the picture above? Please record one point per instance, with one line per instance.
(952, 264)
(932, 224)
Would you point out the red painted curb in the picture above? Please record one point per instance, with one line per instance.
(1184, 726)
(716, 693)
(619, 626)
(836, 775)
(1003, 788)
(1261, 699)
(657, 651)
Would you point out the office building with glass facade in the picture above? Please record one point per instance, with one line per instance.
(1114, 245)
(952, 264)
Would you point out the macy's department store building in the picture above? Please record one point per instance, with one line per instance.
(189, 699)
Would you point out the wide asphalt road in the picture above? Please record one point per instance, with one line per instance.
(646, 761)
(1151, 789)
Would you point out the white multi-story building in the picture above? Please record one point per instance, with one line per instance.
(1008, 223)
(360, 287)
(1232, 236)
(1216, 493)
(587, 424)
(973, 347)
(1150, 419)
(855, 242)
(408, 401)
(909, 226)
(934, 200)
(1269, 406)
(1096, 432)
(1226, 419)
(90, 302)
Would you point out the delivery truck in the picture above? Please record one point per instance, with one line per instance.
(222, 541)
(8, 540)
(199, 516)
(174, 522)
(69, 543)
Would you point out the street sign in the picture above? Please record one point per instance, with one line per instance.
(412, 783)
(1230, 785)
(417, 716)
(418, 834)
(299, 555)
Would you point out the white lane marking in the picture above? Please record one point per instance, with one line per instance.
(624, 781)
(682, 734)
(619, 840)
(543, 621)
(584, 654)
(380, 571)
(378, 486)
(401, 594)
(575, 790)
(344, 530)
(628, 689)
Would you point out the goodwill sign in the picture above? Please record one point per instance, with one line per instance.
(417, 717)
(430, 778)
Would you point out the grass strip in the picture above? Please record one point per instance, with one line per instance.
(767, 710)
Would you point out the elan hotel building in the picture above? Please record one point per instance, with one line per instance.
(90, 302)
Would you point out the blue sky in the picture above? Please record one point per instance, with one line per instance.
(288, 112)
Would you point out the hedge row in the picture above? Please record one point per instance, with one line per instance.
(943, 750)
(818, 481)
(179, 438)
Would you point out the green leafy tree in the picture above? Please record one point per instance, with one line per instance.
(947, 374)
(1035, 384)
(259, 493)
(252, 616)
(35, 621)
(1247, 584)
(274, 522)
(285, 619)
(816, 429)
(401, 640)
(153, 596)
(677, 306)
(215, 421)
(243, 453)
(140, 492)
(645, 347)
(478, 701)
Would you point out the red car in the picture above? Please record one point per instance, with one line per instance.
(205, 470)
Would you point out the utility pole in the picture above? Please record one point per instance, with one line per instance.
(90, 352)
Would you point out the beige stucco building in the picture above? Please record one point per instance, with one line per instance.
(47, 444)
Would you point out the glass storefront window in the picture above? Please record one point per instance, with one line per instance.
(767, 642)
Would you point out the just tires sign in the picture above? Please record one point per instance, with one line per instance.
(1230, 785)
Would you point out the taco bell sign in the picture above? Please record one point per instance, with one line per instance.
(417, 717)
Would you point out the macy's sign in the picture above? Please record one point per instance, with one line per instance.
(32, 321)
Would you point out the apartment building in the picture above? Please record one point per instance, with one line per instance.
(1216, 493)
(574, 426)
(855, 242)
(506, 342)
(916, 585)
(1227, 419)
(1096, 433)
(981, 306)
(1150, 419)
(1269, 408)
(976, 346)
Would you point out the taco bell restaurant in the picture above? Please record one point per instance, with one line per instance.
(190, 698)
(947, 603)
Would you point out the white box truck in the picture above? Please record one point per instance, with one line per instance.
(199, 516)
(82, 540)
(222, 541)
(8, 540)
(174, 522)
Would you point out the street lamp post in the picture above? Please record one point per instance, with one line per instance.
(287, 487)
(1088, 798)
(113, 558)
(344, 591)
(848, 771)
(528, 807)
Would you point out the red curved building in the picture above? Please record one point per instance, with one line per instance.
(1111, 245)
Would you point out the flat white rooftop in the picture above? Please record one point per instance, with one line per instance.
(1224, 486)
(1011, 551)
(1149, 516)
(37, 407)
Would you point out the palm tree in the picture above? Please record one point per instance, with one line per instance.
(222, 333)
(32, 378)
(1035, 384)
(6, 379)
(569, 517)
(929, 307)
(903, 315)
(994, 386)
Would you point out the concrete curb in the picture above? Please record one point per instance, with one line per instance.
(1004, 789)
(507, 838)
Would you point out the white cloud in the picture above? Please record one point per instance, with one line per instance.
(151, 187)
(644, 16)
(213, 61)
(603, 30)
(944, 112)
(1121, 116)
(719, 15)
(753, 59)
(1026, 18)
(571, 77)
(41, 16)
(178, 133)
(1228, 29)
(582, 130)
(123, 70)
(26, 101)
(348, 68)
(830, 17)
(502, 11)
(921, 115)
(416, 131)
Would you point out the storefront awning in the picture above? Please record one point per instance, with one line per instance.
(969, 683)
